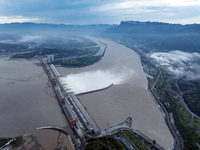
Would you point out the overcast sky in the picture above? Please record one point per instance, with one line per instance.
(99, 11)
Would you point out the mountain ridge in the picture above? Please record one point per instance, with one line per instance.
(157, 36)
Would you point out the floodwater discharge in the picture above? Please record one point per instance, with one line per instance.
(128, 97)
(27, 102)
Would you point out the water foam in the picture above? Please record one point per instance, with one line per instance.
(95, 79)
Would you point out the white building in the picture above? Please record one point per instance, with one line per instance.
(50, 58)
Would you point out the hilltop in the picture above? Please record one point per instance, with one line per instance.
(170, 53)
(157, 35)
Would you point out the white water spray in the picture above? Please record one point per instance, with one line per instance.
(94, 80)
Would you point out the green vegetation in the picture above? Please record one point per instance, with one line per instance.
(138, 141)
(59, 53)
(71, 43)
(3, 141)
(149, 37)
(191, 90)
(165, 89)
(80, 54)
(187, 126)
(151, 71)
(111, 143)
(62, 48)
(156, 36)
(6, 48)
(135, 141)
(79, 62)
(196, 123)
(17, 141)
(104, 143)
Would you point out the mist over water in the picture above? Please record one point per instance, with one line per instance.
(95, 79)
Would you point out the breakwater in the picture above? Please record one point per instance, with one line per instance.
(78, 94)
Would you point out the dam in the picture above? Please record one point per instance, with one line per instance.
(80, 121)
(129, 95)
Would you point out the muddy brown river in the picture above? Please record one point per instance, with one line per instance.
(27, 102)
(128, 97)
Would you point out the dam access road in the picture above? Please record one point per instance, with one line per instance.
(79, 119)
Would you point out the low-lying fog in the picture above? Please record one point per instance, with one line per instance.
(180, 64)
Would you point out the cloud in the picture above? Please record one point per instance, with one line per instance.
(29, 38)
(172, 11)
(102, 11)
(10, 19)
(177, 71)
(146, 4)
(175, 57)
(179, 63)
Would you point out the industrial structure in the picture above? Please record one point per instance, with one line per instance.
(80, 120)
(50, 58)
(76, 114)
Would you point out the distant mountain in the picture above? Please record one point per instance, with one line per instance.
(29, 27)
(28, 36)
(137, 27)
(157, 36)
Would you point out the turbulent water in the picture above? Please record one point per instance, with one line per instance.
(27, 102)
(127, 97)
(80, 83)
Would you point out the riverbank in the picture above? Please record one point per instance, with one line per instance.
(83, 61)
(127, 97)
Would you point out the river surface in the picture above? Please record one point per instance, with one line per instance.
(127, 97)
(27, 101)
